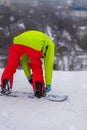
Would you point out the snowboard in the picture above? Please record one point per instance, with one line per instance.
(49, 97)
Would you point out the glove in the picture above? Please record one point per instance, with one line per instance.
(48, 88)
(30, 80)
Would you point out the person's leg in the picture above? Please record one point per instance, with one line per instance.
(12, 63)
(37, 74)
(38, 80)
(37, 71)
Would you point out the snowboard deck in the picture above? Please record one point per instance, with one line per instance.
(49, 97)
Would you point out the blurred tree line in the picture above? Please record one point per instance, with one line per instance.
(60, 28)
(32, 18)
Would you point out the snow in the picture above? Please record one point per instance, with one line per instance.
(49, 30)
(67, 35)
(40, 114)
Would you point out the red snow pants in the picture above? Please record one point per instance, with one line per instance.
(15, 52)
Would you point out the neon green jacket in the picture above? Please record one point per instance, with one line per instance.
(39, 41)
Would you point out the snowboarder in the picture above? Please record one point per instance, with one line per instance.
(30, 47)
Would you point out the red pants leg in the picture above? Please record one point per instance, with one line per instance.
(36, 67)
(37, 74)
(12, 64)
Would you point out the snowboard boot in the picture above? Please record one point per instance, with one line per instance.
(6, 87)
(38, 93)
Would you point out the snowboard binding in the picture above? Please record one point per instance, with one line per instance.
(6, 87)
(38, 93)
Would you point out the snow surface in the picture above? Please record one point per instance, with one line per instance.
(40, 114)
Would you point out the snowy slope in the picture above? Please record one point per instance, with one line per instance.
(39, 114)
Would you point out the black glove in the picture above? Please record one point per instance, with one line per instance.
(30, 80)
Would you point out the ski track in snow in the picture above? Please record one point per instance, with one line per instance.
(32, 114)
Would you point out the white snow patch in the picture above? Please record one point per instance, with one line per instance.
(39, 114)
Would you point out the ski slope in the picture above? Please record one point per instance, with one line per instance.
(40, 114)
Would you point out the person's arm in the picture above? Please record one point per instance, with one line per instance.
(25, 65)
(48, 62)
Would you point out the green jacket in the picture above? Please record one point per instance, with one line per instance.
(39, 41)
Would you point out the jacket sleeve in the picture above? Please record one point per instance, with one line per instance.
(49, 61)
(25, 65)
